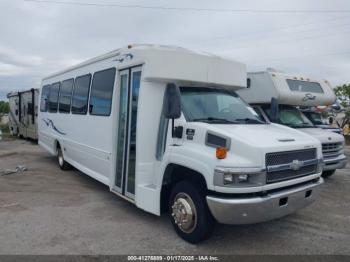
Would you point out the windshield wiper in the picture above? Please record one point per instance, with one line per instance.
(214, 119)
(303, 125)
(250, 120)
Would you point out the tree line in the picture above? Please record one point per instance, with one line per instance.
(4, 107)
(343, 94)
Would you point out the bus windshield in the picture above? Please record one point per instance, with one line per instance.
(315, 118)
(216, 105)
(291, 116)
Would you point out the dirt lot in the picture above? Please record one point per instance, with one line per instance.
(48, 211)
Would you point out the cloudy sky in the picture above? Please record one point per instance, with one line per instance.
(311, 37)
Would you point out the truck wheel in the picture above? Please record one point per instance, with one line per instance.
(61, 162)
(189, 213)
(328, 173)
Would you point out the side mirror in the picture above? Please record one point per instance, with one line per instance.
(274, 110)
(172, 102)
(330, 120)
(248, 82)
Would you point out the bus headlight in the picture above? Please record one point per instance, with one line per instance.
(239, 177)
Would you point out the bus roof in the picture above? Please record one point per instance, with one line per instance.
(167, 63)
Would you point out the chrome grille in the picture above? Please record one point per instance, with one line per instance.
(278, 176)
(280, 158)
(286, 158)
(331, 150)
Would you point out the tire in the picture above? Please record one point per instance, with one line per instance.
(61, 162)
(328, 173)
(186, 197)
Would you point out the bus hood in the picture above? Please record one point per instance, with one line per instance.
(273, 136)
(324, 136)
(249, 143)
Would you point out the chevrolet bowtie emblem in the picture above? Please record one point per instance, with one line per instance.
(296, 164)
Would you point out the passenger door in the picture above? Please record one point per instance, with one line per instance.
(129, 85)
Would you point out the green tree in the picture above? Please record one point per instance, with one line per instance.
(4, 107)
(343, 94)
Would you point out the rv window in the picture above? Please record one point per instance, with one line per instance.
(53, 97)
(44, 98)
(102, 92)
(81, 94)
(304, 86)
(30, 109)
(292, 117)
(65, 96)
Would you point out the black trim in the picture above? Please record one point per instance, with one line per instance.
(126, 144)
(33, 107)
(20, 107)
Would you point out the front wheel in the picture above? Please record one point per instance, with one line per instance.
(328, 173)
(189, 213)
(61, 162)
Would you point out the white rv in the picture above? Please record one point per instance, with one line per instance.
(164, 129)
(290, 92)
(23, 113)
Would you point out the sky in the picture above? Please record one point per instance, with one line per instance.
(308, 37)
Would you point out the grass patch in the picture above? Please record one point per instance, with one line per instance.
(5, 132)
(5, 129)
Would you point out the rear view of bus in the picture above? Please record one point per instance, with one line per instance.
(164, 128)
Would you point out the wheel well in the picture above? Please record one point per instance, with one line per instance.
(57, 145)
(175, 173)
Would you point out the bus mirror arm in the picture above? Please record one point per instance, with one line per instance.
(172, 104)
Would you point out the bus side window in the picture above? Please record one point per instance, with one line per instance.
(81, 94)
(53, 97)
(44, 98)
(65, 96)
(102, 92)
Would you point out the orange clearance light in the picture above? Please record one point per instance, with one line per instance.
(221, 152)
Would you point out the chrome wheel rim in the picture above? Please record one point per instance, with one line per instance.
(184, 213)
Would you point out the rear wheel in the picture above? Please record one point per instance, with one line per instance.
(328, 173)
(189, 213)
(61, 162)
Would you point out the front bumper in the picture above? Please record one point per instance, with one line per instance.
(334, 163)
(259, 209)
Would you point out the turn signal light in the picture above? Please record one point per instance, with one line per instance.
(221, 152)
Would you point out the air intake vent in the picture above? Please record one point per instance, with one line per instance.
(216, 141)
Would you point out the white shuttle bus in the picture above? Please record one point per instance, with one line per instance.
(290, 92)
(163, 128)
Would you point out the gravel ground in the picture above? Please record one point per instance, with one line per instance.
(48, 211)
